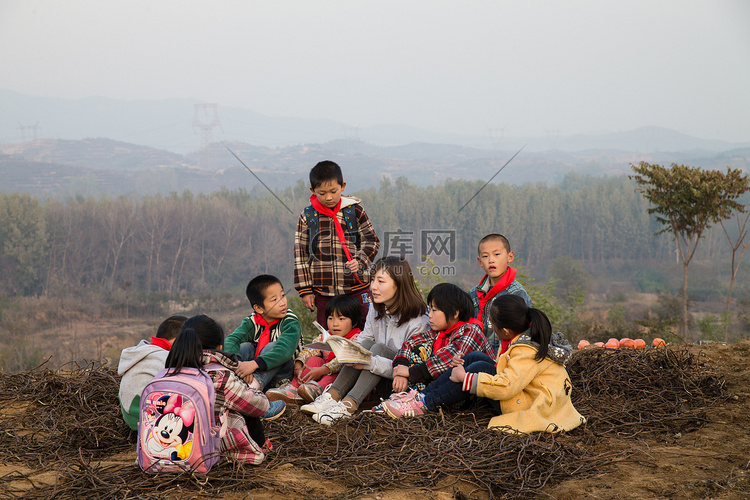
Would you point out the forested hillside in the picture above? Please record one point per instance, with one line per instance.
(193, 243)
(587, 244)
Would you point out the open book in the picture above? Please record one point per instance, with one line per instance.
(345, 350)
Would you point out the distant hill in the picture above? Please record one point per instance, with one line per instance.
(65, 168)
(63, 147)
(173, 125)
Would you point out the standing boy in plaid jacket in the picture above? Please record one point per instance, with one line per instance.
(334, 244)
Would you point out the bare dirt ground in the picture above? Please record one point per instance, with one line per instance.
(711, 460)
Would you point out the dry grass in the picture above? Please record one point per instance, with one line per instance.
(72, 427)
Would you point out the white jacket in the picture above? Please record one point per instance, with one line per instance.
(385, 331)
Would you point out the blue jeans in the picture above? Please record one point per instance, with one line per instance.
(443, 391)
(272, 375)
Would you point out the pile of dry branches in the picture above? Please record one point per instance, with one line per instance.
(70, 423)
(627, 392)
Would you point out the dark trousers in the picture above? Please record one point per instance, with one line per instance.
(255, 429)
(443, 391)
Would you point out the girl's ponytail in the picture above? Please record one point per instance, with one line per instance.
(511, 312)
(185, 352)
(540, 331)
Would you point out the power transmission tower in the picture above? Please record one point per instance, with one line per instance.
(206, 117)
(351, 133)
(34, 128)
(496, 137)
(23, 130)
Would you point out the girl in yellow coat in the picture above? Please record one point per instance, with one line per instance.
(528, 385)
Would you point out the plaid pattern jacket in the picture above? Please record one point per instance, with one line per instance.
(465, 339)
(233, 400)
(324, 271)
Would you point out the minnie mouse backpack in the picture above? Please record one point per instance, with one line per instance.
(177, 429)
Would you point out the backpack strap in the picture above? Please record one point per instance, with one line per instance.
(350, 223)
(223, 421)
(312, 217)
(313, 229)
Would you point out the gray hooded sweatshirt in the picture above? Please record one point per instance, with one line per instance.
(138, 365)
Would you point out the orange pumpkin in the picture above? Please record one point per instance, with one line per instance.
(599, 344)
(612, 344)
(658, 342)
(627, 342)
(639, 343)
(583, 343)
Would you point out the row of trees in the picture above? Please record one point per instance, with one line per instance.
(194, 243)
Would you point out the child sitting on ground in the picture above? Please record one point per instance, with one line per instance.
(198, 345)
(268, 339)
(529, 389)
(426, 355)
(494, 255)
(314, 370)
(140, 363)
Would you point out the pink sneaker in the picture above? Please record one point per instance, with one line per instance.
(397, 397)
(286, 393)
(404, 396)
(309, 391)
(404, 407)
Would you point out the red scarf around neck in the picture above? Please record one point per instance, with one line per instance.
(505, 280)
(444, 336)
(265, 336)
(352, 333)
(163, 343)
(504, 344)
(331, 212)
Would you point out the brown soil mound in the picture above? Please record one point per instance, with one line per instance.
(663, 423)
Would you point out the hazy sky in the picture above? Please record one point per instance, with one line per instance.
(520, 67)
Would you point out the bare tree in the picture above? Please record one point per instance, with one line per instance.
(736, 245)
(119, 226)
(154, 220)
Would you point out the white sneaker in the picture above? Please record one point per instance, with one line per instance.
(337, 411)
(321, 403)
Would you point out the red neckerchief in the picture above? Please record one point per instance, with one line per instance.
(352, 333)
(444, 336)
(163, 343)
(504, 344)
(265, 337)
(317, 205)
(505, 280)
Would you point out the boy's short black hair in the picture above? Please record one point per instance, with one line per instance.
(449, 299)
(325, 170)
(346, 306)
(170, 327)
(492, 237)
(256, 289)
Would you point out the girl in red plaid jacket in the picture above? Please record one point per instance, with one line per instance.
(453, 332)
